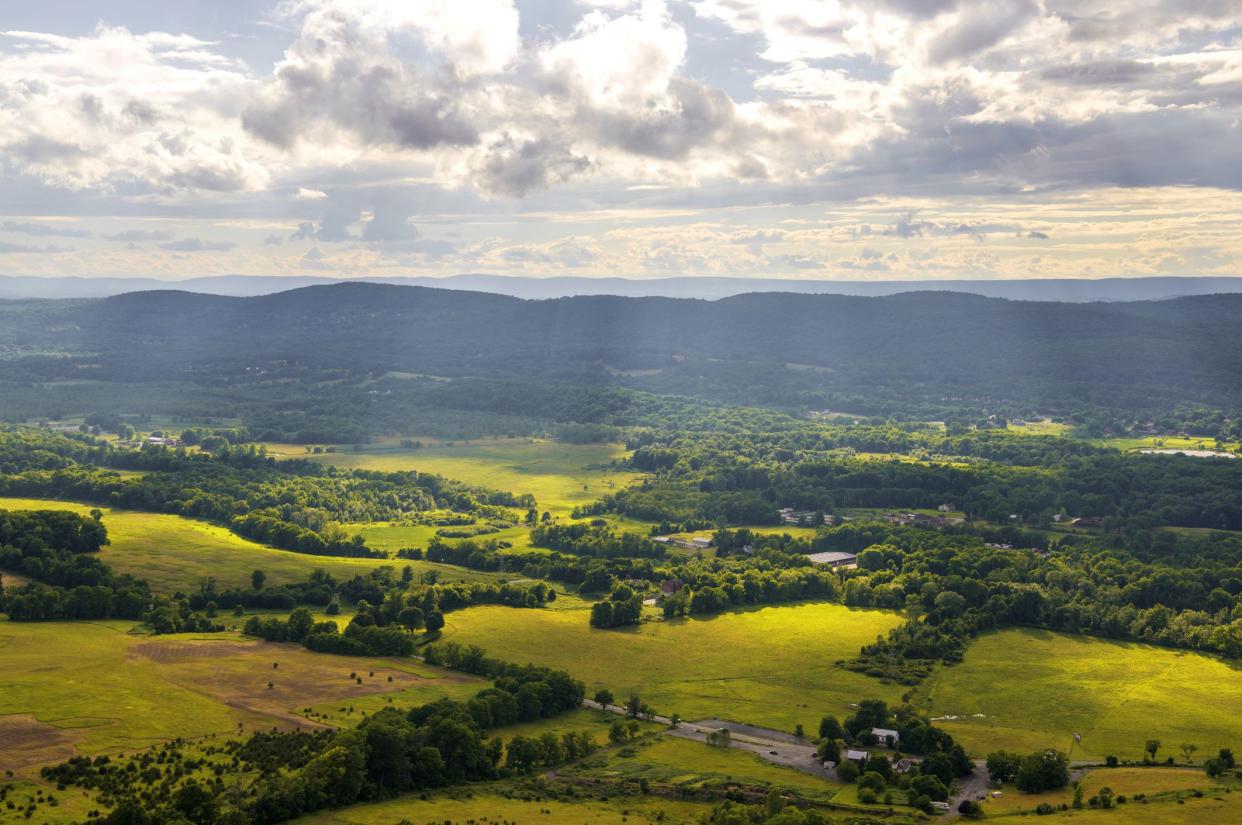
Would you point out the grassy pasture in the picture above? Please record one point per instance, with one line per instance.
(1036, 688)
(559, 476)
(92, 687)
(487, 806)
(1128, 781)
(688, 765)
(771, 666)
(174, 553)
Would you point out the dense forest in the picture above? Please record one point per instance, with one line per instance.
(911, 355)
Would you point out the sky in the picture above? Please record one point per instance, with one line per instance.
(885, 139)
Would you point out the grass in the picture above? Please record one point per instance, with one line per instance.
(771, 666)
(559, 476)
(489, 805)
(94, 687)
(1161, 786)
(1164, 442)
(175, 554)
(692, 766)
(1035, 689)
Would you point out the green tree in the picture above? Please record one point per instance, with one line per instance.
(257, 578)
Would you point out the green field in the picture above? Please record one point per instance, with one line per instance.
(1164, 442)
(1160, 787)
(686, 765)
(488, 805)
(175, 554)
(93, 687)
(1035, 689)
(559, 476)
(772, 666)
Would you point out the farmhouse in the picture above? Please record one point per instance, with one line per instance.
(834, 559)
(903, 766)
(884, 736)
(857, 756)
(701, 543)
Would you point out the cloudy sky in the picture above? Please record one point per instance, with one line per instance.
(793, 138)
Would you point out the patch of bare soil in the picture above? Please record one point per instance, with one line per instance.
(25, 742)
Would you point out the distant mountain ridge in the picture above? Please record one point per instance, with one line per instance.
(711, 288)
(785, 348)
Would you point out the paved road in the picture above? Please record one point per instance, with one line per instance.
(774, 746)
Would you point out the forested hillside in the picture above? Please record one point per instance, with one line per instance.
(906, 355)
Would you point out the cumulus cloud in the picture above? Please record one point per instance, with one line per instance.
(387, 125)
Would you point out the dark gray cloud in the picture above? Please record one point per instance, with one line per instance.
(44, 230)
(517, 168)
(41, 149)
(699, 116)
(339, 79)
(981, 27)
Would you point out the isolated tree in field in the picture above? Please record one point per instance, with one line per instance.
(1188, 749)
(1225, 755)
(257, 578)
(799, 731)
(1151, 747)
(435, 621)
(604, 697)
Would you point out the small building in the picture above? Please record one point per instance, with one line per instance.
(671, 586)
(940, 806)
(903, 766)
(946, 508)
(834, 559)
(662, 539)
(701, 543)
(885, 736)
(857, 756)
(1088, 521)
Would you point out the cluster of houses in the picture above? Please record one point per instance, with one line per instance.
(153, 440)
(694, 543)
(789, 515)
(918, 519)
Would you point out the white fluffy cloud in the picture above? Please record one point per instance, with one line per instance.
(380, 124)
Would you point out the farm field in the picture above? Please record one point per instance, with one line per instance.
(559, 476)
(687, 765)
(92, 687)
(1150, 781)
(486, 805)
(770, 666)
(1164, 442)
(1035, 689)
(174, 553)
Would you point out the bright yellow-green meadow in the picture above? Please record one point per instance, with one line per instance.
(94, 687)
(685, 764)
(175, 554)
(488, 805)
(559, 476)
(1035, 689)
(772, 666)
